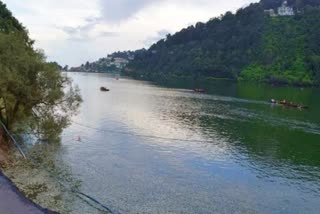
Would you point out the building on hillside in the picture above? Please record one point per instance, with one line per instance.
(120, 62)
(270, 12)
(285, 10)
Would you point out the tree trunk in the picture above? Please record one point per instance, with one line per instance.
(4, 148)
(2, 135)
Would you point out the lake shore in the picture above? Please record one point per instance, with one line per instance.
(12, 201)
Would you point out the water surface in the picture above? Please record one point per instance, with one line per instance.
(150, 148)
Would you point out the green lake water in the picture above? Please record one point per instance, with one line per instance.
(161, 148)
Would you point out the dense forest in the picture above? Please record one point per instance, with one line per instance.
(32, 92)
(247, 45)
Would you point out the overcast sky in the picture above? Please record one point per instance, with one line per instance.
(75, 31)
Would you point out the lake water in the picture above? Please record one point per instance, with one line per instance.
(161, 148)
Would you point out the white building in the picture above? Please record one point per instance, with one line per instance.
(270, 12)
(120, 62)
(285, 10)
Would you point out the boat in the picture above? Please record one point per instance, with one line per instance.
(273, 101)
(288, 104)
(199, 90)
(104, 89)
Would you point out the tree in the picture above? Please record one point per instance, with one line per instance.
(315, 66)
(87, 65)
(33, 93)
(66, 68)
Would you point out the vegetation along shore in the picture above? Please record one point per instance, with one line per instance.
(35, 98)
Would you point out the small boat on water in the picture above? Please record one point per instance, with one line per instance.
(288, 104)
(104, 89)
(199, 90)
(273, 101)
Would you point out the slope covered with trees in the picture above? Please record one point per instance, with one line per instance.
(113, 63)
(32, 91)
(247, 45)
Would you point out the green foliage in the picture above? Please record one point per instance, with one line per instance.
(315, 66)
(32, 91)
(247, 45)
(7, 22)
(220, 48)
(56, 65)
(298, 74)
(283, 53)
(254, 72)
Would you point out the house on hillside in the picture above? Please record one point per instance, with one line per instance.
(271, 12)
(120, 62)
(285, 10)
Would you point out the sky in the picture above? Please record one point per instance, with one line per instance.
(75, 31)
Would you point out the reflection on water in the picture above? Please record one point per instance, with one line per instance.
(237, 153)
(241, 155)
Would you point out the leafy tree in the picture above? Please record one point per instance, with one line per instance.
(87, 65)
(66, 68)
(254, 72)
(315, 66)
(32, 92)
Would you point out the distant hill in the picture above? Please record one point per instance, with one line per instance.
(114, 62)
(252, 44)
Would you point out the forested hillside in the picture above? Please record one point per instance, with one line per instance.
(247, 45)
(114, 62)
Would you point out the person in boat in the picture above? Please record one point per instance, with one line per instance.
(273, 101)
(199, 90)
(104, 89)
(284, 102)
(289, 104)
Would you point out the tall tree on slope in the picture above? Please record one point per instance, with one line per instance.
(32, 92)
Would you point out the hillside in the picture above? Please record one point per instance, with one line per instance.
(248, 45)
(114, 62)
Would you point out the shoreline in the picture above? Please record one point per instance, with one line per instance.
(204, 78)
(12, 200)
